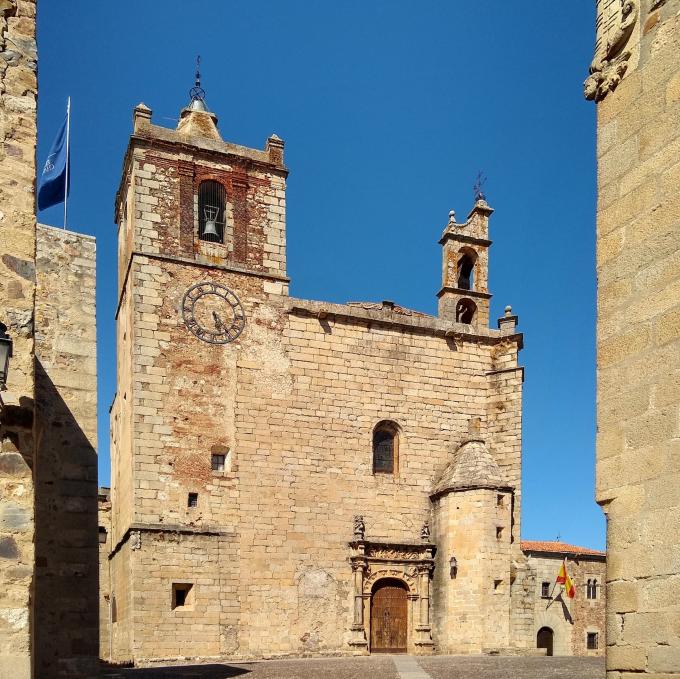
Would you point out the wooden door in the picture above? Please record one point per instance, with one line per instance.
(389, 618)
(544, 639)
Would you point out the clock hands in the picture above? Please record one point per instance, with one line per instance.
(219, 323)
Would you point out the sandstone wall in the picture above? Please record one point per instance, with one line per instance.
(638, 333)
(570, 619)
(291, 405)
(472, 611)
(104, 518)
(18, 95)
(66, 585)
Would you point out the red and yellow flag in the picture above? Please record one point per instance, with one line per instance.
(564, 579)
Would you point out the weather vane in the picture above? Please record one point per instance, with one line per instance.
(479, 184)
(197, 92)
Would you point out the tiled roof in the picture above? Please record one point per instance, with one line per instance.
(558, 547)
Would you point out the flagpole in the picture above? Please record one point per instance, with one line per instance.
(68, 151)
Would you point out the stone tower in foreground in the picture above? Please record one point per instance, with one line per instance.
(635, 79)
(292, 476)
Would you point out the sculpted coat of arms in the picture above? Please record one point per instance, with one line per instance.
(616, 20)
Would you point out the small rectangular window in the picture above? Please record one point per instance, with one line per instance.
(192, 500)
(102, 535)
(592, 641)
(182, 594)
(217, 463)
(499, 501)
(545, 590)
(499, 532)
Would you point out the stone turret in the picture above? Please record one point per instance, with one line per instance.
(473, 532)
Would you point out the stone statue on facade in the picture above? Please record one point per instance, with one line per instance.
(359, 527)
(425, 532)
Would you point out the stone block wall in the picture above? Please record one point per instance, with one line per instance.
(104, 520)
(569, 619)
(18, 100)
(291, 404)
(472, 610)
(66, 582)
(638, 335)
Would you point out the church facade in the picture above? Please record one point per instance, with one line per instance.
(292, 476)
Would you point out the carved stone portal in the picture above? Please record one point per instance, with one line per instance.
(412, 564)
(616, 20)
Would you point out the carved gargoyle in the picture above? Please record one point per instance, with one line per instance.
(607, 70)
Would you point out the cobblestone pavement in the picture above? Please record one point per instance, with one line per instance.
(384, 667)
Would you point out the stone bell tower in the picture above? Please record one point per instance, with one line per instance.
(464, 296)
(202, 284)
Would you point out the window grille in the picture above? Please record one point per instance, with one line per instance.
(212, 200)
(592, 641)
(217, 463)
(384, 445)
(545, 590)
(192, 500)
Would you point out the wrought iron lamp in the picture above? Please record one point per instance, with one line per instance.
(5, 355)
(453, 564)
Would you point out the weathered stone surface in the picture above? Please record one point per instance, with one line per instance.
(9, 548)
(13, 464)
(638, 412)
(66, 588)
(15, 517)
(264, 544)
(18, 85)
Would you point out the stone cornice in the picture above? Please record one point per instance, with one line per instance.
(465, 293)
(464, 238)
(167, 528)
(430, 325)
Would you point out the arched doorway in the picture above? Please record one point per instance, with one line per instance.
(544, 639)
(389, 617)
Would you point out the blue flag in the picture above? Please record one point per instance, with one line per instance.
(52, 183)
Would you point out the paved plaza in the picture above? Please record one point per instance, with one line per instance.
(383, 667)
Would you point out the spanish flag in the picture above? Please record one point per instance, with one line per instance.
(564, 579)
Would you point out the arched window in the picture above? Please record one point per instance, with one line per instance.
(591, 589)
(212, 200)
(466, 270)
(465, 311)
(385, 447)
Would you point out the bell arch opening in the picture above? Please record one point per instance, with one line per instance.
(212, 200)
(465, 279)
(466, 310)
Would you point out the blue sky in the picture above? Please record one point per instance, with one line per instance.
(388, 109)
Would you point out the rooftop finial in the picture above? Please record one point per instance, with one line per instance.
(197, 93)
(478, 187)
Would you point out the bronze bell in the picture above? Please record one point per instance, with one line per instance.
(210, 228)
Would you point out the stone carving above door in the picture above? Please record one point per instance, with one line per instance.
(616, 20)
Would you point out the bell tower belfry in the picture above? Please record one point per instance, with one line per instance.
(464, 296)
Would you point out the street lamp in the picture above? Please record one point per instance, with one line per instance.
(5, 355)
(453, 566)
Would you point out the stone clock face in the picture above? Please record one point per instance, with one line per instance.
(213, 313)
